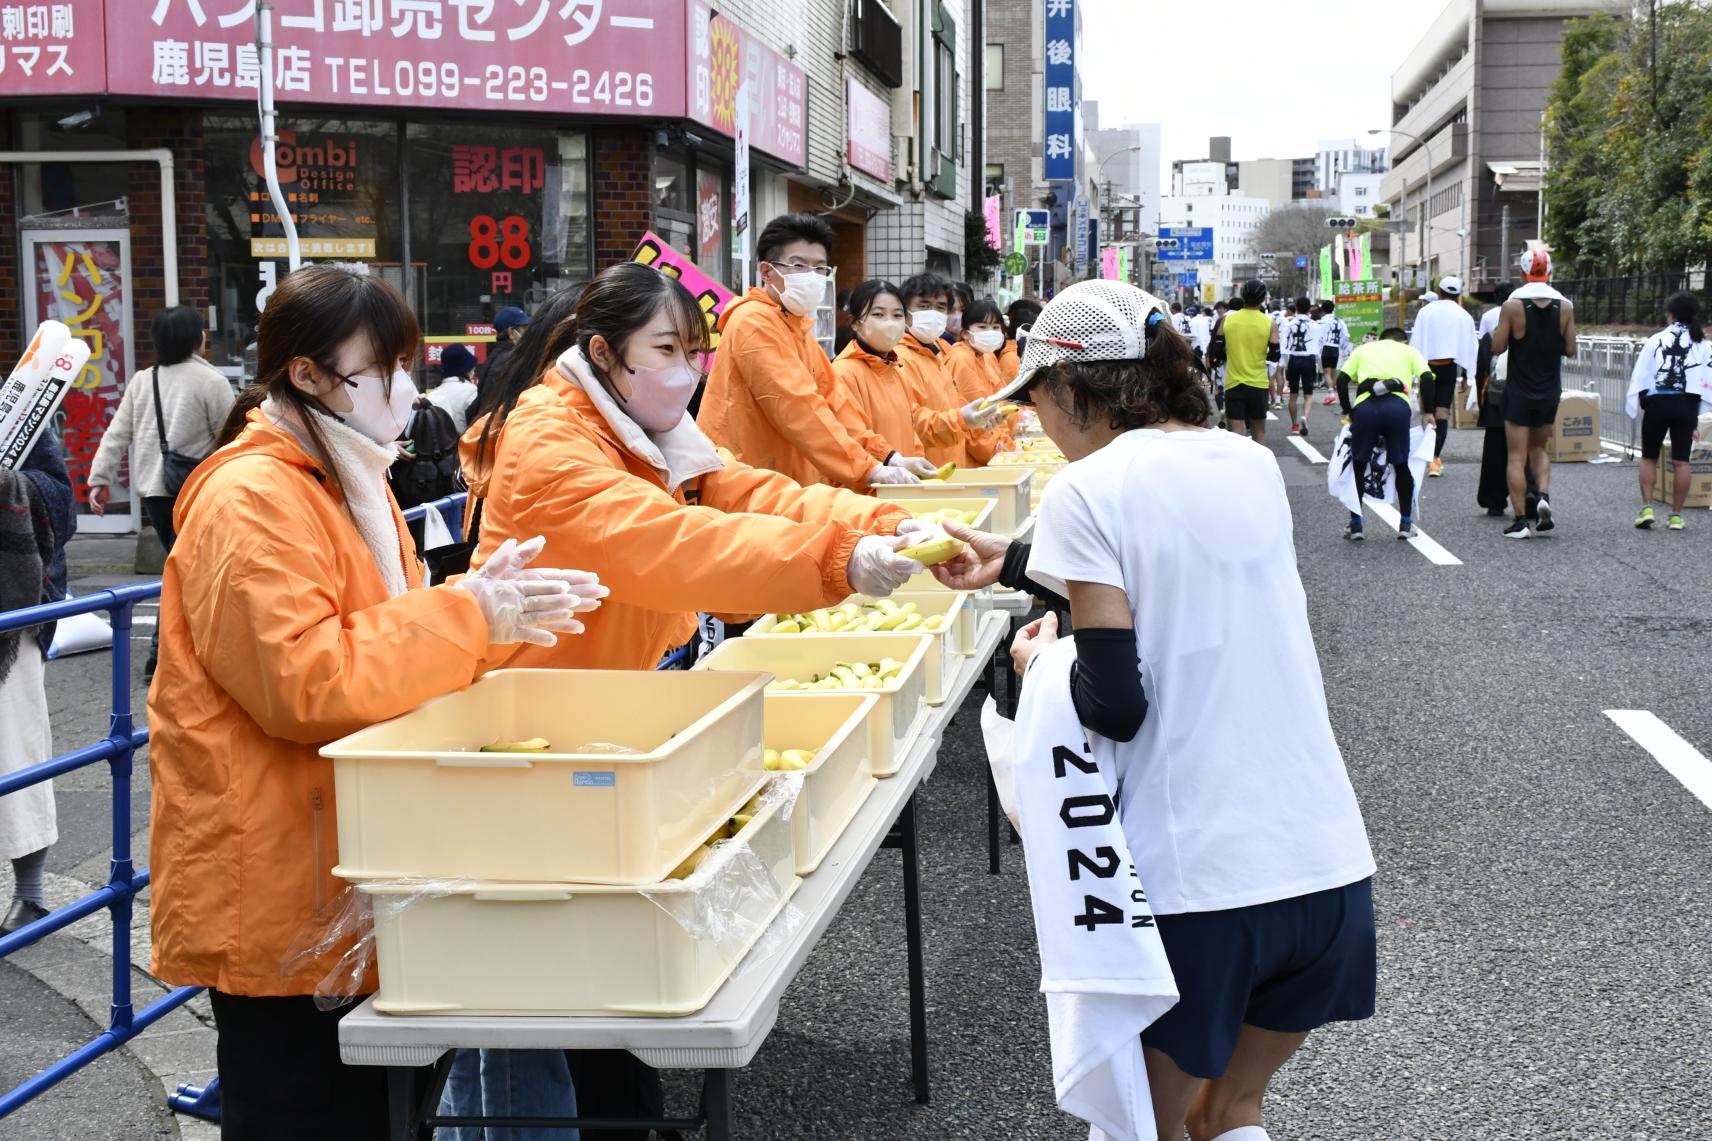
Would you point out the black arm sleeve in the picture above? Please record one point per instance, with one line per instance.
(1343, 392)
(1106, 685)
(1014, 574)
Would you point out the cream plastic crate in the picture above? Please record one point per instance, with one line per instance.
(837, 726)
(980, 601)
(951, 643)
(555, 948)
(1007, 489)
(417, 798)
(902, 711)
(983, 508)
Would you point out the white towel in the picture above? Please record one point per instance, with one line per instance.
(1381, 482)
(1102, 966)
(1445, 331)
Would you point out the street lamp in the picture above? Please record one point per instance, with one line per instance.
(1099, 172)
(1427, 207)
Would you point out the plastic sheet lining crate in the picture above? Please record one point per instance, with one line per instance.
(902, 711)
(837, 727)
(1008, 489)
(554, 948)
(417, 797)
(952, 642)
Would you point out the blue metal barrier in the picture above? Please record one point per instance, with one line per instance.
(124, 881)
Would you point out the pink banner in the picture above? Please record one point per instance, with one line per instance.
(79, 283)
(720, 56)
(52, 48)
(869, 119)
(1109, 263)
(995, 235)
(588, 57)
(709, 294)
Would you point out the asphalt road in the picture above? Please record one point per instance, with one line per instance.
(1541, 895)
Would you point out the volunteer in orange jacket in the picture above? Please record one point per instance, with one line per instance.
(772, 400)
(952, 430)
(600, 457)
(869, 369)
(974, 361)
(292, 615)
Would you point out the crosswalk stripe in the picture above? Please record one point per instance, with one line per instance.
(1678, 758)
(1308, 450)
(1421, 542)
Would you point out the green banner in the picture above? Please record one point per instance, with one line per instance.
(1361, 304)
(1325, 271)
(1123, 263)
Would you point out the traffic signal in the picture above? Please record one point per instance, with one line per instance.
(1340, 222)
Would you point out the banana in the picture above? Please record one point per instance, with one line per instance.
(845, 676)
(739, 822)
(794, 760)
(1009, 409)
(934, 551)
(770, 760)
(821, 618)
(691, 862)
(912, 622)
(937, 622)
(785, 628)
(945, 472)
(532, 745)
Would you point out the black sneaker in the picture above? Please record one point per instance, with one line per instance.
(1544, 514)
(1354, 534)
(1517, 530)
(1302, 431)
(1407, 531)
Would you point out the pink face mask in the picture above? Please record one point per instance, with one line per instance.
(659, 397)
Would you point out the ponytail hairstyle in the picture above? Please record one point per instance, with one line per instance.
(549, 333)
(313, 312)
(1685, 307)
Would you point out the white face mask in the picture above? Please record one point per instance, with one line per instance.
(987, 340)
(928, 325)
(802, 293)
(374, 412)
(659, 397)
(883, 336)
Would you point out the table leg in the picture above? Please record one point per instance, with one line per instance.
(917, 971)
(993, 672)
(716, 1095)
(401, 1104)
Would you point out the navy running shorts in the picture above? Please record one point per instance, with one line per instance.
(1301, 373)
(1290, 966)
(1380, 418)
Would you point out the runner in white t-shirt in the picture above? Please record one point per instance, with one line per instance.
(1244, 830)
(1334, 342)
(1299, 341)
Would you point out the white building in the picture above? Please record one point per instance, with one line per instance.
(1334, 157)
(1200, 180)
(1233, 218)
(1124, 160)
(1357, 194)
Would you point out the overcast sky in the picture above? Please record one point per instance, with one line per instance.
(1277, 78)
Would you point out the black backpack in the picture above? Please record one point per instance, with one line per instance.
(432, 471)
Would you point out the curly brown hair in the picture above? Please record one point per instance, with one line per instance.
(1131, 393)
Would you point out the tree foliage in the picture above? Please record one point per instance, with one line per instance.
(1629, 142)
(1298, 229)
(980, 259)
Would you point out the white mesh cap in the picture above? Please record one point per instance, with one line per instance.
(1089, 321)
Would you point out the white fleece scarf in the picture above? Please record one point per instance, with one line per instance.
(361, 466)
(1537, 291)
(679, 455)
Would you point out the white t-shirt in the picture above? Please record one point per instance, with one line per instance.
(1234, 792)
(1201, 331)
(1334, 334)
(1300, 336)
(454, 397)
(1489, 325)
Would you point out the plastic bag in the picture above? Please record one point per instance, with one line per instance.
(351, 919)
(435, 533)
(1000, 736)
(80, 634)
(732, 900)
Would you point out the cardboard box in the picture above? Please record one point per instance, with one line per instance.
(1699, 480)
(1575, 437)
(1460, 416)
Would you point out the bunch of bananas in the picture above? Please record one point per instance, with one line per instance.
(788, 761)
(726, 831)
(845, 676)
(883, 616)
(945, 514)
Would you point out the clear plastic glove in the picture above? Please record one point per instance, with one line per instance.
(981, 417)
(876, 569)
(918, 465)
(976, 566)
(914, 528)
(524, 605)
(889, 475)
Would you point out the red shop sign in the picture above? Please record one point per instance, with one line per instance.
(590, 57)
(720, 54)
(51, 48)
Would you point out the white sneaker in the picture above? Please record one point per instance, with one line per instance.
(1517, 530)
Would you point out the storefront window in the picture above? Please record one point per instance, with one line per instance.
(340, 177)
(691, 205)
(498, 216)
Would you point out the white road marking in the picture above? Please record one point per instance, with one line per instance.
(1312, 453)
(1271, 415)
(1421, 542)
(1680, 759)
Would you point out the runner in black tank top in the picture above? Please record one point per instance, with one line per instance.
(1538, 332)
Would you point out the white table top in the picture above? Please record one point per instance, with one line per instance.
(730, 1029)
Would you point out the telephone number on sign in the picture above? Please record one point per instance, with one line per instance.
(495, 83)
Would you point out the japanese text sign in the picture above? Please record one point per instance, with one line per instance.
(592, 57)
(1194, 243)
(721, 57)
(51, 48)
(709, 294)
(33, 393)
(1061, 90)
(1109, 263)
(870, 130)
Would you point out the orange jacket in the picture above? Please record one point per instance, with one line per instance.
(938, 412)
(738, 541)
(977, 376)
(277, 637)
(773, 402)
(876, 387)
(1010, 362)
